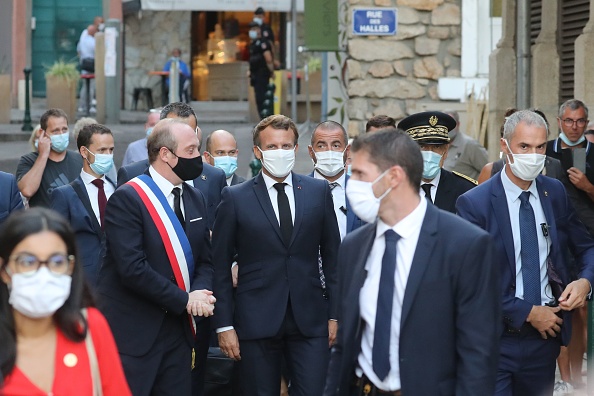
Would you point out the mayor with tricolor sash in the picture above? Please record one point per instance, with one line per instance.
(156, 278)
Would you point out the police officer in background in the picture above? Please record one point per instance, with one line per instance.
(267, 32)
(261, 64)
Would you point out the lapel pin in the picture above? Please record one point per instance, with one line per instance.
(546, 193)
(298, 187)
(203, 177)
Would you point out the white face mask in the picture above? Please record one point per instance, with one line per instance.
(39, 295)
(330, 163)
(362, 199)
(526, 166)
(279, 163)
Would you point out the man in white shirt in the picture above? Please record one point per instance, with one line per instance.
(83, 201)
(86, 55)
(419, 310)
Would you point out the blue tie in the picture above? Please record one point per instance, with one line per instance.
(529, 252)
(383, 316)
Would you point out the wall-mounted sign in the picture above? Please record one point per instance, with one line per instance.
(375, 21)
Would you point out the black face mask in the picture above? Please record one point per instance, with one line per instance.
(187, 168)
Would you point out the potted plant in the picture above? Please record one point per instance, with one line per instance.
(314, 66)
(5, 94)
(61, 80)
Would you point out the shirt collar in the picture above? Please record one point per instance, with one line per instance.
(164, 185)
(341, 180)
(270, 182)
(513, 190)
(88, 179)
(408, 225)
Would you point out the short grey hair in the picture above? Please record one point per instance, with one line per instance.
(528, 117)
(573, 104)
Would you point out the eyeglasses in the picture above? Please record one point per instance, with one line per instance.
(568, 122)
(28, 264)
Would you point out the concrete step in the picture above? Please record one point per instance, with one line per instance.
(222, 111)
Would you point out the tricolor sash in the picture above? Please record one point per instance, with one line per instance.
(175, 240)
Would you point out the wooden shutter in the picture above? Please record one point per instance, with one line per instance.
(535, 19)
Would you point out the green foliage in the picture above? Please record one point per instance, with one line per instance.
(66, 70)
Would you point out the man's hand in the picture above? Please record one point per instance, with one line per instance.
(579, 179)
(574, 295)
(44, 145)
(332, 329)
(201, 303)
(545, 320)
(234, 273)
(229, 344)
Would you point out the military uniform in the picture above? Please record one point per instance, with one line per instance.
(431, 128)
(259, 72)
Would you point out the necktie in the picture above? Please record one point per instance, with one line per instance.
(383, 316)
(427, 188)
(284, 213)
(177, 206)
(529, 251)
(101, 199)
(332, 185)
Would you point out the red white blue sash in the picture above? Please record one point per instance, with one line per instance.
(175, 240)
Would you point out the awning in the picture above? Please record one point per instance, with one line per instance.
(218, 5)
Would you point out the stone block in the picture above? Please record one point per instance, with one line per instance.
(383, 3)
(426, 46)
(386, 88)
(428, 67)
(390, 107)
(438, 32)
(422, 81)
(446, 14)
(372, 50)
(407, 16)
(432, 91)
(381, 69)
(354, 69)
(453, 73)
(408, 31)
(455, 47)
(425, 5)
(355, 128)
(402, 67)
(357, 108)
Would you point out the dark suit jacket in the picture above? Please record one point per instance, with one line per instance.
(10, 199)
(486, 206)
(450, 326)
(90, 239)
(450, 187)
(136, 285)
(353, 221)
(269, 270)
(236, 179)
(211, 182)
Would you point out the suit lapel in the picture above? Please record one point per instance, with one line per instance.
(264, 199)
(547, 207)
(501, 210)
(349, 214)
(442, 195)
(299, 198)
(80, 190)
(421, 259)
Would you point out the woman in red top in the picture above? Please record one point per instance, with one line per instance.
(49, 345)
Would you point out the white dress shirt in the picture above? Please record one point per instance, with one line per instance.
(512, 193)
(273, 194)
(409, 229)
(434, 185)
(166, 188)
(93, 191)
(339, 199)
(229, 179)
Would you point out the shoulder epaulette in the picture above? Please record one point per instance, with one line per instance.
(470, 179)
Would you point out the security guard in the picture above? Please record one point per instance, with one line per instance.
(261, 65)
(430, 130)
(267, 32)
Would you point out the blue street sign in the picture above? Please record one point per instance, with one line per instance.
(374, 21)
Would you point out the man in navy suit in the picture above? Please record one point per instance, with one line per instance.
(10, 199)
(329, 150)
(418, 289)
(533, 223)
(147, 286)
(212, 180)
(83, 201)
(221, 152)
(277, 223)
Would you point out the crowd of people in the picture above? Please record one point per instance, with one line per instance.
(386, 270)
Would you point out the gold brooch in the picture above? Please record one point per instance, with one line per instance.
(432, 121)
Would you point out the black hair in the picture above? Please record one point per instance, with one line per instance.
(86, 134)
(180, 109)
(67, 318)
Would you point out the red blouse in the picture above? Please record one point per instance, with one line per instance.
(72, 369)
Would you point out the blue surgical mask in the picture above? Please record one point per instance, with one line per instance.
(103, 163)
(431, 166)
(149, 131)
(36, 143)
(569, 142)
(60, 142)
(349, 170)
(253, 34)
(227, 163)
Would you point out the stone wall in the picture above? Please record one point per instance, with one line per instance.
(148, 42)
(388, 74)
